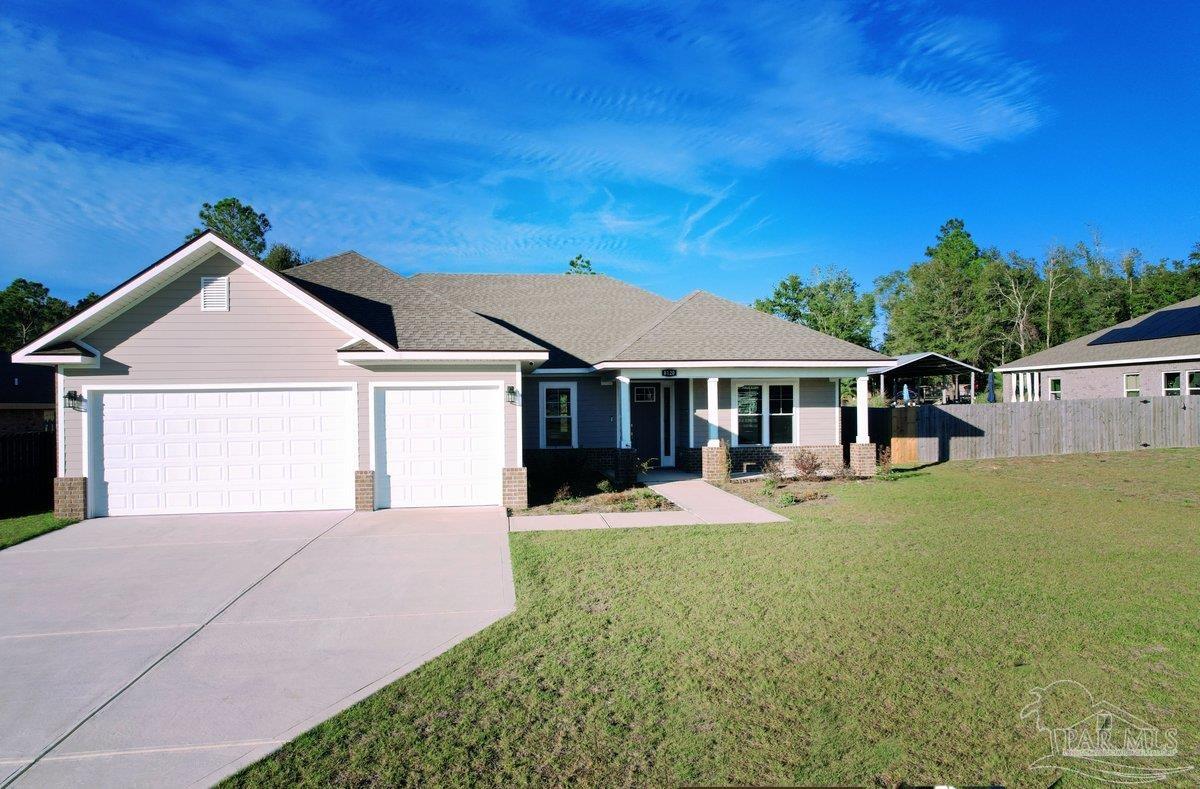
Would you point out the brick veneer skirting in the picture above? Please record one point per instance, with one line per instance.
(516, 488)
(364, 491)
(618, 464)
(70, 497)
(830, 456)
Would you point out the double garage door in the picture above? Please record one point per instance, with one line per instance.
(276, 449)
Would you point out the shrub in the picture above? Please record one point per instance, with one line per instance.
(563, 493)
(884, 470)
(768, 487)
(806, 463)
(787, 499)
(772, 473)
(604, 486)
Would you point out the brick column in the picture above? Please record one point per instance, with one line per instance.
(862, 460)
(70, 498)
(714, 466)
(364, 491)
(516, 488)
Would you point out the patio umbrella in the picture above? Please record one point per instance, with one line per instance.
(991, 387)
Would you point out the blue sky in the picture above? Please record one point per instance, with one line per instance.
(680, 147)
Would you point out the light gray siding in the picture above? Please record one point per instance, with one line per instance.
(265, 337)
(816, 405)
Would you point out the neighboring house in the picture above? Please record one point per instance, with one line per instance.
(209, 383)
(26, 397)
(1152, 355)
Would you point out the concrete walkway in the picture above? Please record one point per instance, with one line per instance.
(698, 502)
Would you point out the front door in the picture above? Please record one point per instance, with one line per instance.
(645, 421)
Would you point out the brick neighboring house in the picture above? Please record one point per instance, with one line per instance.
(209, 383)
(1156, 354)
(26, 397)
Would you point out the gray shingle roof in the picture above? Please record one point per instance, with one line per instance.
(1080, 351)
(579, 318)
(707, 327)
(399, 312)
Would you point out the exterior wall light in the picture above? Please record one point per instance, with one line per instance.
(73, 401)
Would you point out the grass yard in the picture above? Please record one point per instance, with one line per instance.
(890, 634)
(15, 530)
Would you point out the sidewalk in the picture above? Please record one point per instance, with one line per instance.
(698, 502)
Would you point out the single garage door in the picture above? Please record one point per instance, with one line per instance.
(239, 450)
(438, 446)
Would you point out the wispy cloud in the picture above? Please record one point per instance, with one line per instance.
(397, 131)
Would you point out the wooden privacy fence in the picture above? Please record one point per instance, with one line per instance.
(935, 433)
(27, 467)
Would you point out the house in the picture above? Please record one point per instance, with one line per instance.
(26, 397)
(1152, 355)
(209, 383)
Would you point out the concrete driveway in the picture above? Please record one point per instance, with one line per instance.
(171, 651)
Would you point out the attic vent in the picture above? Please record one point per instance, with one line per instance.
(214, 294)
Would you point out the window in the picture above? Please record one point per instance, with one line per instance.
(1055, 388)
(1172, 384)
(781, 402)
(1133, 385)
(1193, 379)
(214, 294)
(558, 415)
(750, 413)
(644, 394)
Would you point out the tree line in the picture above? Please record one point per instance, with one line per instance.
(983, 307)
(962, 300)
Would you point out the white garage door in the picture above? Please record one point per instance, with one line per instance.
(221, 451)
(438, 446)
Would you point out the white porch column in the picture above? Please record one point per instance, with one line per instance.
(624, 436)
(714, 413)
(1037, 386)
(861, 404)
(972, 398)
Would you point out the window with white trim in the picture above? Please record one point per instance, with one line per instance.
(1055, 386)
(214, 294)
(749, 414)
(1133, 385)
(781, 400)
(645, 394)
(1172, 384)
(1193, 382)
(558, 404)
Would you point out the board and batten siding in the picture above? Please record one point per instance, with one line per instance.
(816, 406)
(596, 411)
(264, 338)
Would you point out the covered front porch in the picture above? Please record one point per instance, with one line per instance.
(713, 420)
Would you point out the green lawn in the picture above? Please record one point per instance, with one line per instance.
(889, 633)
(15, 530)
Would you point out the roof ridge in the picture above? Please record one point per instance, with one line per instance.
(651, 325)
(396, 284)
